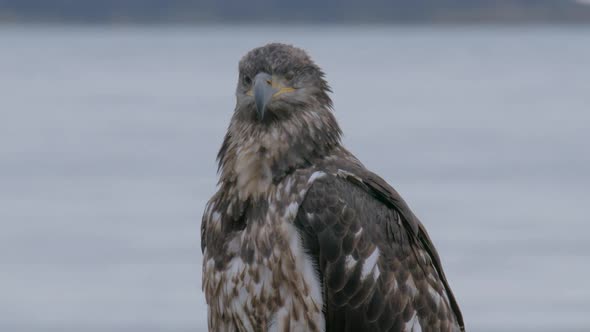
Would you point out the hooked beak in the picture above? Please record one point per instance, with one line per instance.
(263, 92)
(265, 88)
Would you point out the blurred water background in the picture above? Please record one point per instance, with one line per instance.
(108, 136)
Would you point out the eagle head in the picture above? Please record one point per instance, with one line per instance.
(283, 119)
(277, 80)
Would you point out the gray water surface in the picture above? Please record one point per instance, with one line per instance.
(108, 138)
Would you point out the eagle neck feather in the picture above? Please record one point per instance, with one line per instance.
(254, 155)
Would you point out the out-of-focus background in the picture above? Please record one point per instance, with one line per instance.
(111, 113)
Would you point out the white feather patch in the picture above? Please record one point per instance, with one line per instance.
(370, 263)
(358, 233)
(291, 211)
(413, 325)
(350, 262)
(310, 275)
(315, 176)
(310, 278)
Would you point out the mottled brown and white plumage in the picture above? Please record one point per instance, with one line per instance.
(300, 236)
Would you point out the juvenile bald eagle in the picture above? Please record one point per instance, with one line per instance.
(300, 235)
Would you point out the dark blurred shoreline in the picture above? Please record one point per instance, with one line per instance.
(295, 25)
(258, 12)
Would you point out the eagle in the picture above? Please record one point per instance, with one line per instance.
(300, 236)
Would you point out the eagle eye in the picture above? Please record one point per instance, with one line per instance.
(289, 75)
(246, 80)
